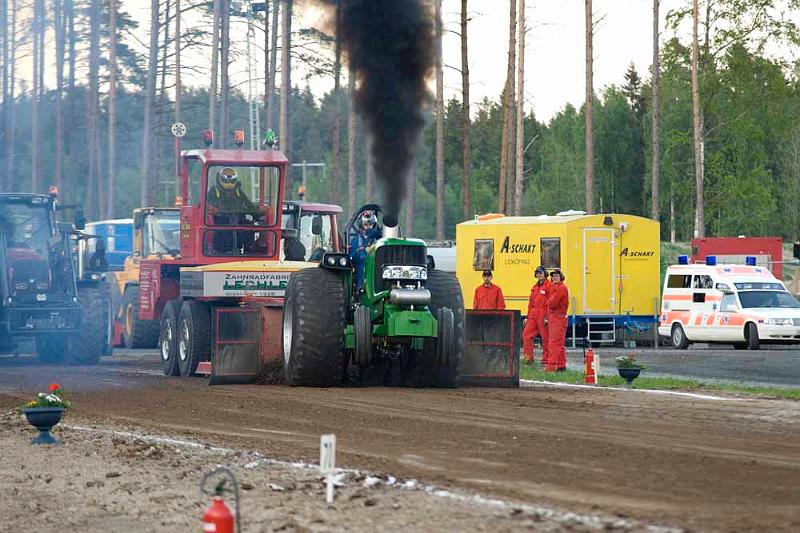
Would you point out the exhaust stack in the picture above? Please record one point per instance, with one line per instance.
(391, 229)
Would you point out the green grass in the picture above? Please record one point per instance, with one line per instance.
(644, 382)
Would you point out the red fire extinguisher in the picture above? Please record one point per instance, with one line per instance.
(590, 366)
(218, 517)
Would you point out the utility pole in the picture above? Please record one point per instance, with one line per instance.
(697, 127)
(655, 210)
(520, 112)
(112, 102)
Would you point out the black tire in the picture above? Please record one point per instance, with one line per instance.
(751, 334)
(51, 348)
(137, 333)
(91, 343)
(194, 336)
(678, 337)
(168, 339)
(313, 328)
(445, 293)
(362, 324)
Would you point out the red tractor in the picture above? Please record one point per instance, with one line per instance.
(220, 301)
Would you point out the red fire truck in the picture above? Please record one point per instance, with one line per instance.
(768, 251)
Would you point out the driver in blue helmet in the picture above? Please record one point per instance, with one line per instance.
(367, 233)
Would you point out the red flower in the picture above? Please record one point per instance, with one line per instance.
(54, 387)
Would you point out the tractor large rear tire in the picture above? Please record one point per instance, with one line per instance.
(194, 336)
(137, 333)
(314, 317)
(91, 343)
(168, 339)
(445, 294)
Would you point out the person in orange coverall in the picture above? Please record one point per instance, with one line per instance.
(537, 310)
(557, 304)
(488, 295)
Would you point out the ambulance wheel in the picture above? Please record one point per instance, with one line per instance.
(751, 334)
(679, 340)
(168, 339)
(440, 364)
(313, 328)
(194, 336)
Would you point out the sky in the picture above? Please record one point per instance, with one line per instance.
(554, 55)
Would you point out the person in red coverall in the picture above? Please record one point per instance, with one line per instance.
(537, 310)
(488, 295)
(557, 304)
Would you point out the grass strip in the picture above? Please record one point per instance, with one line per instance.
(644, 382)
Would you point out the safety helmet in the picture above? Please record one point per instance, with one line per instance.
(227, 178)
(558, 271)
(540, 269)
(368, 218)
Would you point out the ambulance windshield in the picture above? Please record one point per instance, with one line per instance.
(782, 299)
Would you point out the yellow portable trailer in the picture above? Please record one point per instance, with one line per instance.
(610, 261)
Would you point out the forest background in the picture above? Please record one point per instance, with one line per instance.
(102, 131)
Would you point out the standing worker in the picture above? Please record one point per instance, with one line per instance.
(557, 304)
(488, 295)
(535, 321)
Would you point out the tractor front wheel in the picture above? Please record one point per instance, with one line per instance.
(91, 342)
(137, 333)
(441, 362)
(194, 336)
(313, 328)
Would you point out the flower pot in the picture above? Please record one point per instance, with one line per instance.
(629, 374)
(43, 419)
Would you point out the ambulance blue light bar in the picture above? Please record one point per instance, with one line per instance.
(750, 261)
(711, 260)
(683, 259)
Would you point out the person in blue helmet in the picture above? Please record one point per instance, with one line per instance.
(368, 232)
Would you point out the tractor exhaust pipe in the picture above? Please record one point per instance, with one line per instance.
(391, 228)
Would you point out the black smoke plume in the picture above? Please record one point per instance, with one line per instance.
(389, 44)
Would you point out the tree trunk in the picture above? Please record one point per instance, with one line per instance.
(369, 185)
(12, 63)
(466, 157)
(266, 65)
(439, 126)
(589, 110)
(336, 132)
(286, 71)
(518, 188)
(655, 209)
(699, 221)
(225, 85)
(212, 91)
(411, 203)
(157, 134)
(95, 198)
(4, 72)
(178, 89)
(36, 31)
(508, 103)
(273, 67)
(146, 197)
(112, 103)
(351, 143)
(58, 24)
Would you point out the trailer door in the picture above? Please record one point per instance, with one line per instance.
(599, 279)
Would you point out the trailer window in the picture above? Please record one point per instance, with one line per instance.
(679, 281)
(550, 252)
(483, 258)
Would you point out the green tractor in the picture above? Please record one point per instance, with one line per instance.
(404, 323)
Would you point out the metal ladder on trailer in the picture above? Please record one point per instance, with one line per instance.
(601, 330)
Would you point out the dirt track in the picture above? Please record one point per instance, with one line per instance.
(674, 461)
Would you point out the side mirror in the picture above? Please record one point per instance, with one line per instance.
(80, 219)
(430, 262)
(316, 225)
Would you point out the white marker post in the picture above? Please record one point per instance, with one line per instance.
(327, 462)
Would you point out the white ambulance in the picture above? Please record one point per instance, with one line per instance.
(743, 305)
